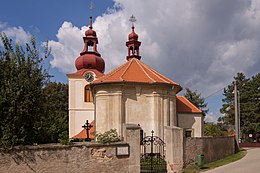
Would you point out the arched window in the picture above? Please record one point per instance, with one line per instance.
(131, 50)
(90, 46)
(88, 94)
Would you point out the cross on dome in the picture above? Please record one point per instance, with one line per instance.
(91, 6)
(132, 19)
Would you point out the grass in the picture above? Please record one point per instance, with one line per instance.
(212, 165)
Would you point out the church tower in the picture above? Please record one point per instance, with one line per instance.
(90, 66)
(133, 44)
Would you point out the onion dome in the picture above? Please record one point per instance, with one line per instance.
(90, 61)
(133, 35)
(90, 58)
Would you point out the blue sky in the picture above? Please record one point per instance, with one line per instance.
(199, 44)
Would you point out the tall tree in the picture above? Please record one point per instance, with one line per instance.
(21, 94)
(249, 103)
(195, 98)
(54, 122)
(228, 102)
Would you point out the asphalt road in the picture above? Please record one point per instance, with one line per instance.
(248, 164)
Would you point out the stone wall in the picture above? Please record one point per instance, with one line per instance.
(213, 148)
(77, 157)
(56, 158)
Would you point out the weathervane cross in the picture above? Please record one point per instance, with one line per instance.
(91, 6)
(132, 19)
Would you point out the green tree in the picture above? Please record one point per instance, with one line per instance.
(249, 103)
(211, 129)
(195, 98)
(21, 96)
(54, 122)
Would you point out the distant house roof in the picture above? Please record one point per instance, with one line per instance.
(83, 133)
(135, 70)
(183, 105)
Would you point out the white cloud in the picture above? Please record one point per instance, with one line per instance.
(67, 48)
(212, 117)
(16, 33)
(2, 25)
(200, 44)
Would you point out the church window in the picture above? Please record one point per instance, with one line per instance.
(188, 133)
(88, 94)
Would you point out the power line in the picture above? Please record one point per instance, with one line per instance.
(215, 92)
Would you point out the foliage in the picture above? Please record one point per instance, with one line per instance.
(249, 99)
(195, 98)
(108, 137)
(30, 109)
(55, 118)
(211, 129)
(21, 103)
(64, 138)
(154, 163)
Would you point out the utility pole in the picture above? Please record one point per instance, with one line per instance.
(236, 111)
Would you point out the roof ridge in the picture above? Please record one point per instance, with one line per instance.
(145, 72)
(126, 69)
(158, 74)
(111, 72)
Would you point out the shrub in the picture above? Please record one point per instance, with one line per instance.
(108, 137)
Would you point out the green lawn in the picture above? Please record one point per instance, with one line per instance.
(226, 160)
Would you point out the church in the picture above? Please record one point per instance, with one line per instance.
(133, 93)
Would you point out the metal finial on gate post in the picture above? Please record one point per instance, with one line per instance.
(87, 126)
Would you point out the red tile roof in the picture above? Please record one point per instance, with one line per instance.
(183, 105)
(83, 133)
(135, 70)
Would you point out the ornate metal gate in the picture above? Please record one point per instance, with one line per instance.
(152, 155)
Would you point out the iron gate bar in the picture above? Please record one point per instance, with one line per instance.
(153, 161)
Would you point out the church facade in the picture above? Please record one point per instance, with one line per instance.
(133, 93)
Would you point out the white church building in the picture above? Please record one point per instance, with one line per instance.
(133, 93)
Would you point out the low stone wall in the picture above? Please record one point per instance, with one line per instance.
(77, 157)
(213, 148)
(56, 158)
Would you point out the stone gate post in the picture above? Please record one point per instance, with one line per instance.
(174, 148)
(132, 137)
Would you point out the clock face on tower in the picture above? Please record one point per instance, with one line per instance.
(89, 77)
